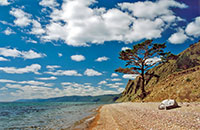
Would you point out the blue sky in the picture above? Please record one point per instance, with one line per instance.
(52, 48)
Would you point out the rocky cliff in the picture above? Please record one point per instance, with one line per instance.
(178, 79)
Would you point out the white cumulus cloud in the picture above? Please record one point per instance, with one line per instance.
(151, 10)
(37, 28)
(10, 52)
(22, 18)
(114, 85)
(114, 75)
(125, 48)
(178, 37)
(193, 28)
(78, 58)
(91, 72)
(102, 82)
(30, 82)
(4, 59)
(52, 67)
(100, 59)
(34, 68)
(153, 29)
(47, 78)
(4, 2)
(7, 81)
(31, 41)
(153, 60)
(9, 31)
(64, 73)
(48, 3)
(60, 54)
(31, 54)
(7, 52)
(36, 83)
(3, 88)
(129, 76)
(116, 79)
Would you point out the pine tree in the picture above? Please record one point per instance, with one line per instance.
(141, 58)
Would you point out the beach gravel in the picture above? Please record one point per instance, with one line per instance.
(146, 116)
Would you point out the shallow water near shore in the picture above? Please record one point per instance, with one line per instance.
(44, 115)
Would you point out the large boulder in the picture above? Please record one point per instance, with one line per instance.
(168, 104)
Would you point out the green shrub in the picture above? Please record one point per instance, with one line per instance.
(188, 80)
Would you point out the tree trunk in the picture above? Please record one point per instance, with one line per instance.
(143, 81)
(142, 88)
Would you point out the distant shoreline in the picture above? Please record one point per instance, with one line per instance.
(140, 116)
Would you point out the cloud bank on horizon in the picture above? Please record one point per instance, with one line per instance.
(71, 46)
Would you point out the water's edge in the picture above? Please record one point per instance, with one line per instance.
(85, 123)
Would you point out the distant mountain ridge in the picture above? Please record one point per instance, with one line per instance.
(101, 98)
(177, 79)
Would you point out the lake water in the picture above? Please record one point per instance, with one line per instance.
(44, 116)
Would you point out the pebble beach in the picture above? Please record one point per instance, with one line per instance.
(146, 116)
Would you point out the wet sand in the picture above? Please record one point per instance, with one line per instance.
(146, 116)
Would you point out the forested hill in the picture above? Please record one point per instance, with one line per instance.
(102, 98)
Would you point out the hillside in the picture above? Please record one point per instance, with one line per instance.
(100, 99)
(177, 79)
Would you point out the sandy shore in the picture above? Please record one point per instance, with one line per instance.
(146, 116)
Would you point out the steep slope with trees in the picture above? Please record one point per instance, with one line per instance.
(178, 79)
